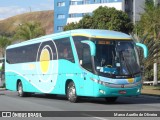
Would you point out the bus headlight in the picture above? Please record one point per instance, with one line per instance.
(102, 91)
(99, 81)
(138, 90)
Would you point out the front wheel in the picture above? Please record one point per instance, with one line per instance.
(111, 99)
(21, 93)
(71, 92)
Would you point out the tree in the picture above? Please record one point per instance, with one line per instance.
(4, 42)
(112, 19)
(148, 29)
(70, 26)
(150, 21)
(29, 31)
(104, 18)
(84, 23)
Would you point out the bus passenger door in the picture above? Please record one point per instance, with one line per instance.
(87, 71)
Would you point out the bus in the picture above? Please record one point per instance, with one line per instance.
(1, 72)
(76, 63)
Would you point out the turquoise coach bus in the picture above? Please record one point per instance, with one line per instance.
(76, 63)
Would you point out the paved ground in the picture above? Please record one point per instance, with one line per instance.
(9, 101)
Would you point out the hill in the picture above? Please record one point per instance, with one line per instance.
(44, 17)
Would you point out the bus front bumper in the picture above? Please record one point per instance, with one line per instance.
(113, 90)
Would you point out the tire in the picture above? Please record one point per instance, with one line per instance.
(21, 93)
(111, 99)
(71, 93)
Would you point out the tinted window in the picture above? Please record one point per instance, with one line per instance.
(22, 54)
(31, 53)
(83, 52)
(64, 49)
(50, 48)
(79, 45)
(86, 58)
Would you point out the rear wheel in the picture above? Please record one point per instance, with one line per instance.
(21, 93)
(111, 99)
(71, 92)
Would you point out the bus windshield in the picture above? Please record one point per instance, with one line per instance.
(116, 58)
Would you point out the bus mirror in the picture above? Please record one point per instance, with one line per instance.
(80, 62)
(145, 49)
(91, 45)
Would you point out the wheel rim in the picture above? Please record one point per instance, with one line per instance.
(71, 92)
(20, 89)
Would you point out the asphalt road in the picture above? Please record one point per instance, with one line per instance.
(9, 101)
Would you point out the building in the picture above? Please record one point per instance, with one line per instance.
(67, 11)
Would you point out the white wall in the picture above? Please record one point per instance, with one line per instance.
(89, 8)
(138, 8)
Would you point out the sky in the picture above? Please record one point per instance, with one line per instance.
(9, 8)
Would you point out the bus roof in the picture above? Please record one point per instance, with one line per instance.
(96, 33)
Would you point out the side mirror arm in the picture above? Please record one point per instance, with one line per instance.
(91, 45)
(145, 49)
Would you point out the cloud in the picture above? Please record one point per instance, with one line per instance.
(47, 6)
(13, 10)
(43, 6)
(6, 12)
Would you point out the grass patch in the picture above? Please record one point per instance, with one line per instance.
(151, 90)
(151, 87)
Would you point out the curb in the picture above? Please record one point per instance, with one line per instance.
(150, 94)
(2, 89)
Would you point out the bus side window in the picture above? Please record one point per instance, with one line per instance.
(86, 58)
(65, 49)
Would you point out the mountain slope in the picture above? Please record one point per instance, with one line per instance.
(44, 17)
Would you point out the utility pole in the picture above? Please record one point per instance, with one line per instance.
(155, 65)
(30, 9)
(155, 3)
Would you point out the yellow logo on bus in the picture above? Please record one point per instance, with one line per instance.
(44, 61)
(130, 80)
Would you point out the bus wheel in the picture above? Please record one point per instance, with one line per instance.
(111, 99)
(21, 93)
(71, 92)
